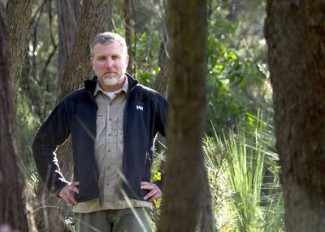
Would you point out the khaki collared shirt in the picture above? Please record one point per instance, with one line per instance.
(109, 154)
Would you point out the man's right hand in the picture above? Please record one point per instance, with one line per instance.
(68, 193)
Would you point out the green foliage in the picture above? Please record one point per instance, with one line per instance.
(237, 81)
(28, 126)
(237, 78)
(146, 63)
(156, 175)
(243, 174)
(39, 79)
(146, 36)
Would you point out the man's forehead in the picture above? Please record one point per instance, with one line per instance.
(111, 48)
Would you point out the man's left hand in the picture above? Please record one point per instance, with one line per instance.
(154, 191)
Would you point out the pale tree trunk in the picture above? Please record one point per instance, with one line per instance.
(12, 183)
(95, 18)
(183, 183)
(18, 28)
(295, 33)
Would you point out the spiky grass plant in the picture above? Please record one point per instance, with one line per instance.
(244, 181)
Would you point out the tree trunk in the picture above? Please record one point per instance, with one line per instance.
(161, 82)
(96, 18)
(295, 33)
(69, 16)
(187, 97)
(206, 219)
(18, 36)
(161, 79)
(12, 199)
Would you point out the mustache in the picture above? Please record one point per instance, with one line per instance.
(110, 71)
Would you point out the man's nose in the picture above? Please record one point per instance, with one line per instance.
(109, 63)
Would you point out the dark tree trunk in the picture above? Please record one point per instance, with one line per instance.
(18, 35)
(161, 80)
(12, 200)
(161, 83)
(295, 33)
(69, 15)
(185, 171)
(206, 219)
(96, 18)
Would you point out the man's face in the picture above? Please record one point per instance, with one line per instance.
(109, 64)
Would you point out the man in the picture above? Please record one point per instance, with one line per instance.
(113, 121)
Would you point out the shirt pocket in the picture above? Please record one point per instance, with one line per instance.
(101, 125)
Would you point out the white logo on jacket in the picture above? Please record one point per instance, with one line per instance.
(139, 107)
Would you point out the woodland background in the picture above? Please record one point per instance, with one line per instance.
(237, 107)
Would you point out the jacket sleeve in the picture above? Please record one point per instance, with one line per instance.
(54, 131)
(161, 115)
(161, 124)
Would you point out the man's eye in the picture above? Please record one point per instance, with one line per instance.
(101, 58)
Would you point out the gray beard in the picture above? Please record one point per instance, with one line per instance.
(112, 81)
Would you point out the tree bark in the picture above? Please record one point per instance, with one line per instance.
(12, 199)
(162, 78)
(295, 33)
(187, 25)
(206, 219)
(161, 82)
(18, 28)
(96, 18)
(69, 16)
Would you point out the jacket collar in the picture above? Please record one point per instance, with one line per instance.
(90, 85)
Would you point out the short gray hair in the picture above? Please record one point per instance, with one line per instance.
(108, 38)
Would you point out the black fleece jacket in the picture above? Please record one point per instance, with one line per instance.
(145, 115)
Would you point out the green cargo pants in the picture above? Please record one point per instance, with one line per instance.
(122, 220)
